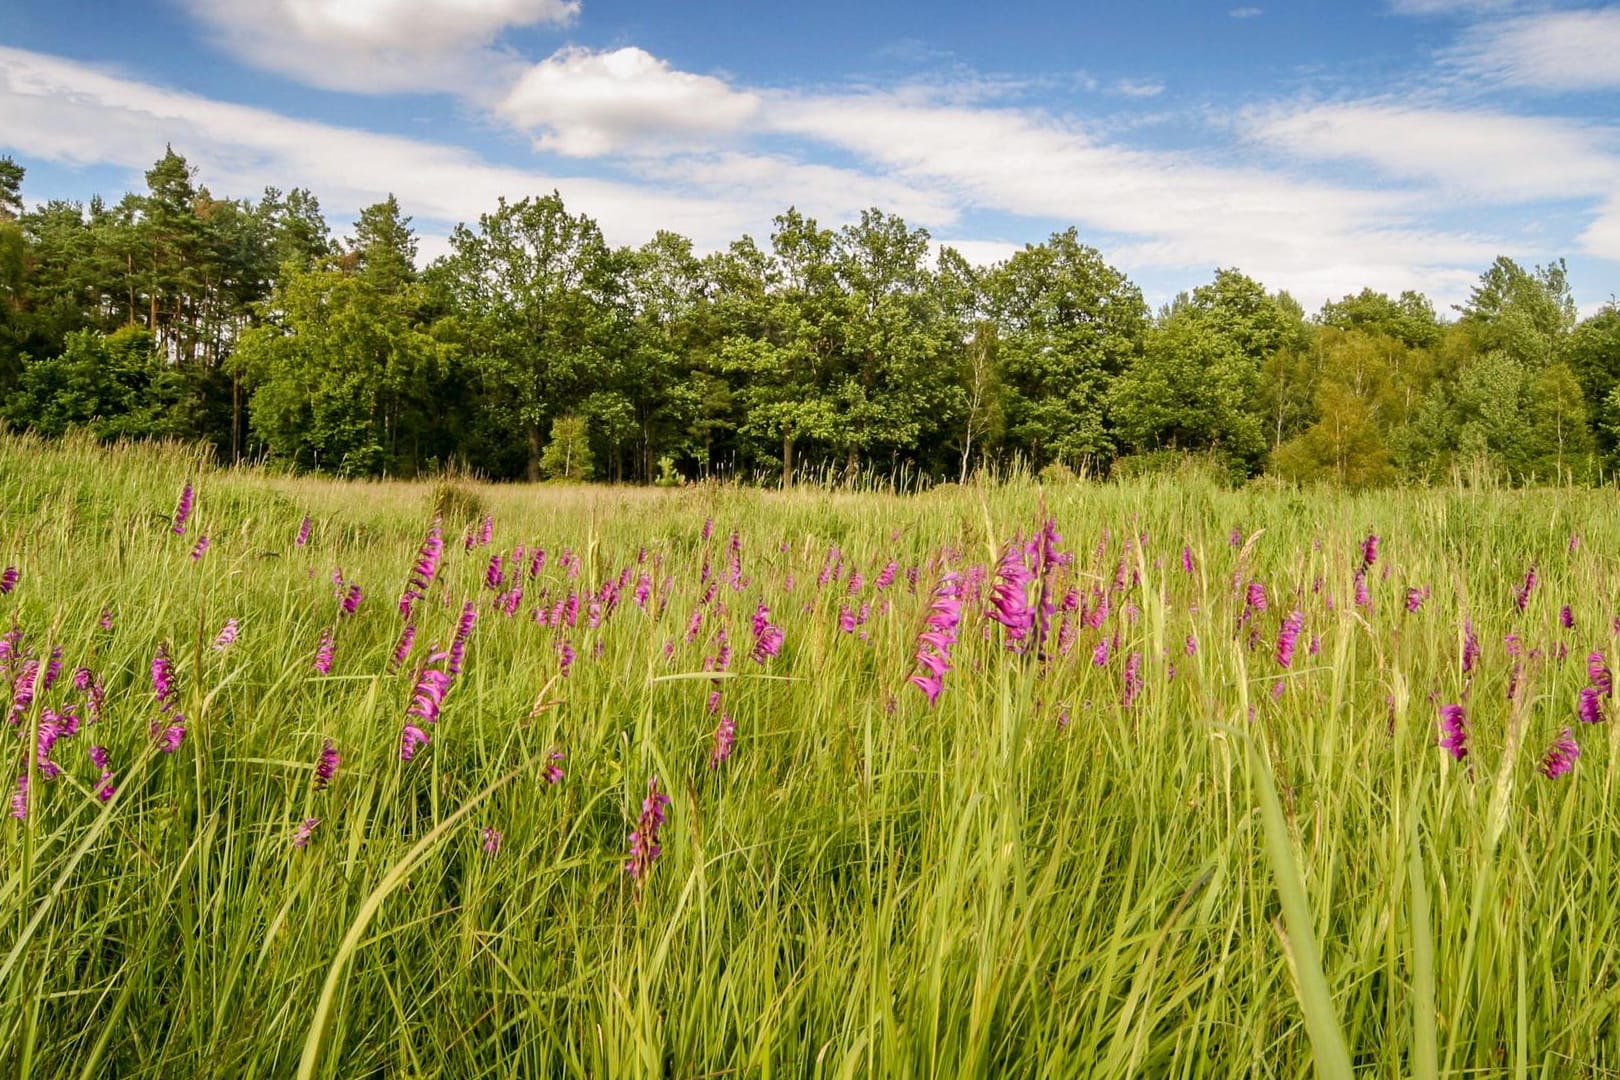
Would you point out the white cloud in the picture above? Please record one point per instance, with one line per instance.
(1468, 153)
(1557, 50)
(586, 104)
(1450, 7)
(1246, 12)
(379, 46)
(1602, 237)
(1138, 88)
(67, 112)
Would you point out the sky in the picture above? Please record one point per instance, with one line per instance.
(1319, 147)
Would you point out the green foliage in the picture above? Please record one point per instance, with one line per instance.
(114, 385)
(568, 453)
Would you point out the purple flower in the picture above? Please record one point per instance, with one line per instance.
(1099, 655)
(725, 736)
(644, 849)
(19, 799)
(422, 574)
(554, 769)
(1470, 648)
(1186, 560)
(226, 636)
(200, 549)
(1560, 756)
(492, 840)
(1521, 595)
(182, 511)
(410, 738)
(1454, 731)
(163, 679)
(402, 649)
(495, 575)
(1597, 669)
(326, 766)
(1254, 599)
(1591, 705)
(170, 737)
(1287, 636)
(303, 532)
(1191, 647)
(1363, 598)
(1369, 551)
(428, 697)
(1009, 598)
(323, 652)
(1133, 678)
(768, 637)
(1414, 599)
(458, 646)
(104, 786)
(8, 579)
(1566, 618)
(306, 830)
(351, 600)
(939, 635)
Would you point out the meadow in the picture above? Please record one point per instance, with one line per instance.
(1151, 778)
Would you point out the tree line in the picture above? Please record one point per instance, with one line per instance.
(536, 349)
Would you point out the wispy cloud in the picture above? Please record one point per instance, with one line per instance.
(379, 46)
(1246, 12)
(1138, 88)
(1554, 50)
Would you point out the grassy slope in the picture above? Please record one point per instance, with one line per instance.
(974, 889)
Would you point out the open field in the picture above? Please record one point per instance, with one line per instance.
(1158, 838)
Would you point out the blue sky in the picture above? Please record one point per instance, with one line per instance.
(1319, 147)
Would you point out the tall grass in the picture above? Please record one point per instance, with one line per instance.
(1029, 878)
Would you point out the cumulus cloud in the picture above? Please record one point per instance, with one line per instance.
(379, 46)
(1475, 154)
(1555, 50)
(587, 104)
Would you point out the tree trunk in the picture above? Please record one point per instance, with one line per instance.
(534, 453)
(787, 462)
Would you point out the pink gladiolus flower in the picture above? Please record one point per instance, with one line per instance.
(170, 737)
(1560, 756)
(1521, 595)
(303, 532)
(163, 679)
(644, 849)
(200, 549)
(1369, 551)
(725, 736)
(458, 646)
(351, 600)
(1287, 637)
(1470, 648)
(492, 840)
(410, 738)
(1133, 678)
(939, 635)
(19, 798)
(1566, 617)
(306, 830)
(326, 766)
(182, 511)
(1597, 669)
(422, 574)
(1009, 598)
(324, 652)
(8, 579)
(554, 768)
(1591, 705)
(226, 636)
(1454, 731)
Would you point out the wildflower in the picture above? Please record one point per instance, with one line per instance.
(1287, 637)
(8, 579)
(53, 670)
(200, 549)
(182, 511)
(95, 694)
(1099, 655)
(644, 849)
(458, 646)
(643, 590)
(104, 786)
(1186, 560)
(1315, 646)
(495, 575)
(1560, 756)
(938, 636)
(1414, 599)
(428, 697)
(1254, 599)
(492, 840)
(323, 652)
(486, 530)
(306, 830)
(1009, 601)
(768, 637)
(1470, 647)
(170, 737)
(1133, 678)
(1454, 731)
(106, 620)
(1597, 669)
(1566, 617)
(1521, 595)
(19, 799)
(1236, 539)
(1369, 551)
(410, 738)
(226, 636)
(351, 600)
(163, 679)
(725, 736)
(303, 532)
(326, 766)
(402, 649)
(1363, 598)
(1192, 645)
(554, 770)
(565, 658)
(422, 574)
(885, 577)
(1591, 705)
